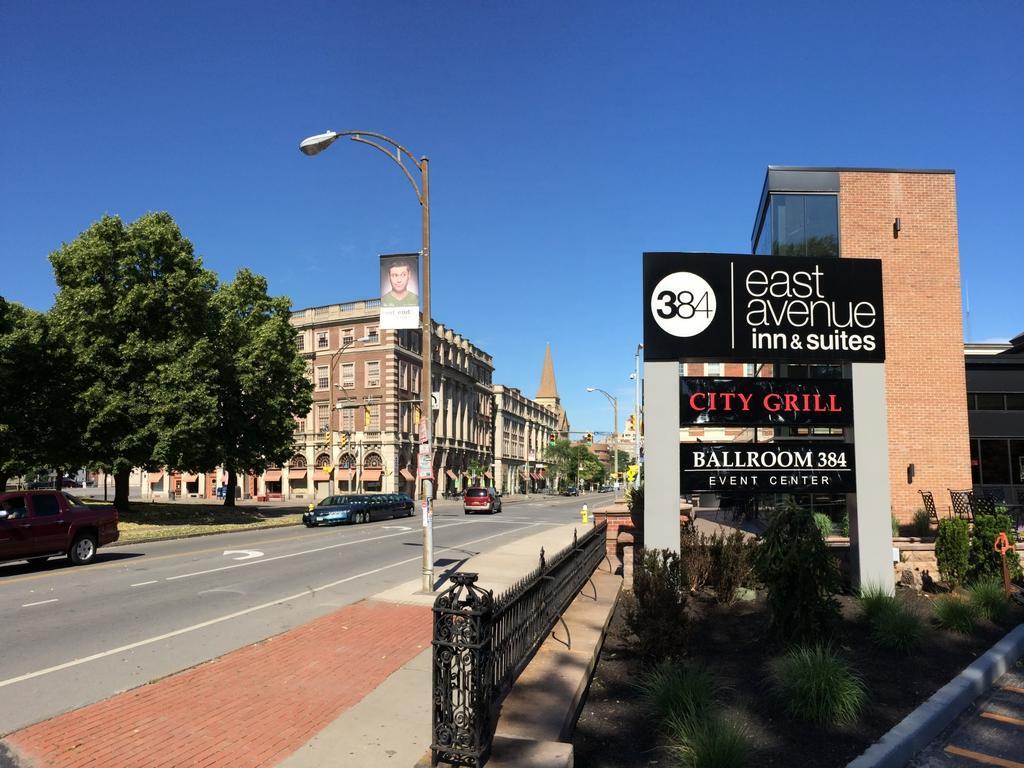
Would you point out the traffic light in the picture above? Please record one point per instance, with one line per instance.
(343, 439)
(552, 438)
(630, 423)
(588, 437)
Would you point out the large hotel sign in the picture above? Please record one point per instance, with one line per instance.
(703, 306)
(749, 402)
(786, 467)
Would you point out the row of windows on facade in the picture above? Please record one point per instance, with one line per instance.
(995, 401)
(997, 461)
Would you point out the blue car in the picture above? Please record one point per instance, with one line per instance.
(363, 508)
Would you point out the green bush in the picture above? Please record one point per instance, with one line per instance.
(952, 547)
(990, 599)
(818, 686)
(844, 526)
(676, 690)
(922, 525)
(984, 562)
(897, 627)
(895, 524)
(655, 609)
(635, 505)
(800, 576)
(694, 558)
(732, 560)
(955, 613)
(824, 523)
(707, 742)
(873, 600)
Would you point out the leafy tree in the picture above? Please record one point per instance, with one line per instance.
(261, 383)
(39, 429)
(573, 462)
(134, 307)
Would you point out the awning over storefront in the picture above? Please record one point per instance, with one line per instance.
(296, 474)
(488, 475)
(343, 474)
(451, 474)
(272, 475)
(535, 476)
(406, 474)
(371, 475)
(154, 477)
(320, 476)
(188, 477)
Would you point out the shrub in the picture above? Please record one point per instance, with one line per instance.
(800, 576)
(694, 558)
(732, 560)
(873, 600)
(897, 627)
(922, 525)
(951, 550)
(818, 686)
(983, 561)
(655, 611)
(707, 742)
(895, 524)
(635, 505)
(956, 614)
(990, 599)
(677, 691)
(824, 523)
(844, 526)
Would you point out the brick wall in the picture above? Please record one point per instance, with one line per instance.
(925, 381)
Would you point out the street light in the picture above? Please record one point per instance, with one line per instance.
(335, 406)
(615, 432)
(636, 411)
(316, 144)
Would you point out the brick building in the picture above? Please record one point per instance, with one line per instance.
(908, 220)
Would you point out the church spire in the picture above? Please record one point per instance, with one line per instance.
(548, 390)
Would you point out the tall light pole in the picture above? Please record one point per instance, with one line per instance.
(335, 406)
(636, 414)
(615, 432)
(399, 154)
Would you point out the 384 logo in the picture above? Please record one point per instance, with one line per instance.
(683, 304)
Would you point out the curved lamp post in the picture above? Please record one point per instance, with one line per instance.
(400, 155)
(615, 432)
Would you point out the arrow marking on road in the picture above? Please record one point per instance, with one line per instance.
(246, 554)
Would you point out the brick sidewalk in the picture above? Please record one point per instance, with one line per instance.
(252, 707)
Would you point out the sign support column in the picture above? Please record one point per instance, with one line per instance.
(661, 451)
(871, 513)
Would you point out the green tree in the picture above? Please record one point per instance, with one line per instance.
(134, 305)
(261, 380)
(39, 430)
(573, 463)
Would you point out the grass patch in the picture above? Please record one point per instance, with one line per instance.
(955, 613)
(818, 686)
(156, 520)
(873, 600)
(990, 600)
(678, 691)
(898, 627)
(707, 742)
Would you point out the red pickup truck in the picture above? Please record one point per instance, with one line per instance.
(35, 525)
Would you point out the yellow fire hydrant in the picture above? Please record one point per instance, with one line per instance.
(584, 513)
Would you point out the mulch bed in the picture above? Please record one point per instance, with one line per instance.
(616, 731)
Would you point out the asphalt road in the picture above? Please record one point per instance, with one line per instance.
(71, 636)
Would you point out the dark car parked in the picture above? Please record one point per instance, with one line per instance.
(34, 525)
(572, 490)
(358, 508)
(481, 500)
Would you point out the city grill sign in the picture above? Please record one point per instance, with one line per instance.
(767, 468)
(765, 402)
(702, 306)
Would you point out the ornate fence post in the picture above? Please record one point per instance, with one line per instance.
(462, 718)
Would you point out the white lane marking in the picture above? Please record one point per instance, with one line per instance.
(395, 528)
(235, 615)
(298, 554)
(246, 554)
(41, 602)
(144, 583)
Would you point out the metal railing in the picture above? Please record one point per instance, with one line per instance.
(482, 644)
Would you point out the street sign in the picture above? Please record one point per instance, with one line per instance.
(426, 467)
(428, 514)
(783, 467)
(706, 306)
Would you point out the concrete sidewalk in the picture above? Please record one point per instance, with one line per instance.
(349, 689)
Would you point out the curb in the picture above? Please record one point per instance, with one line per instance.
(912, 734)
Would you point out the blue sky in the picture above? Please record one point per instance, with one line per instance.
(565, 139)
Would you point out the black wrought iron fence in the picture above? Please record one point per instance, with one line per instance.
(482, 644)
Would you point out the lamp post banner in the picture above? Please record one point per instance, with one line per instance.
(400, 291)
(712, 306)
(765, 402)
(786, 467)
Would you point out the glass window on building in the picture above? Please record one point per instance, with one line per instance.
(1015, 401)
(321, 377)
(995, 461)
(1017, 461)
(802, 225)
(990, 401)
(975, 464)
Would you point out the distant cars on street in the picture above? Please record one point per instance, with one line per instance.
(358, 508)
(572, 490)
(481, 500)
(36, 525)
